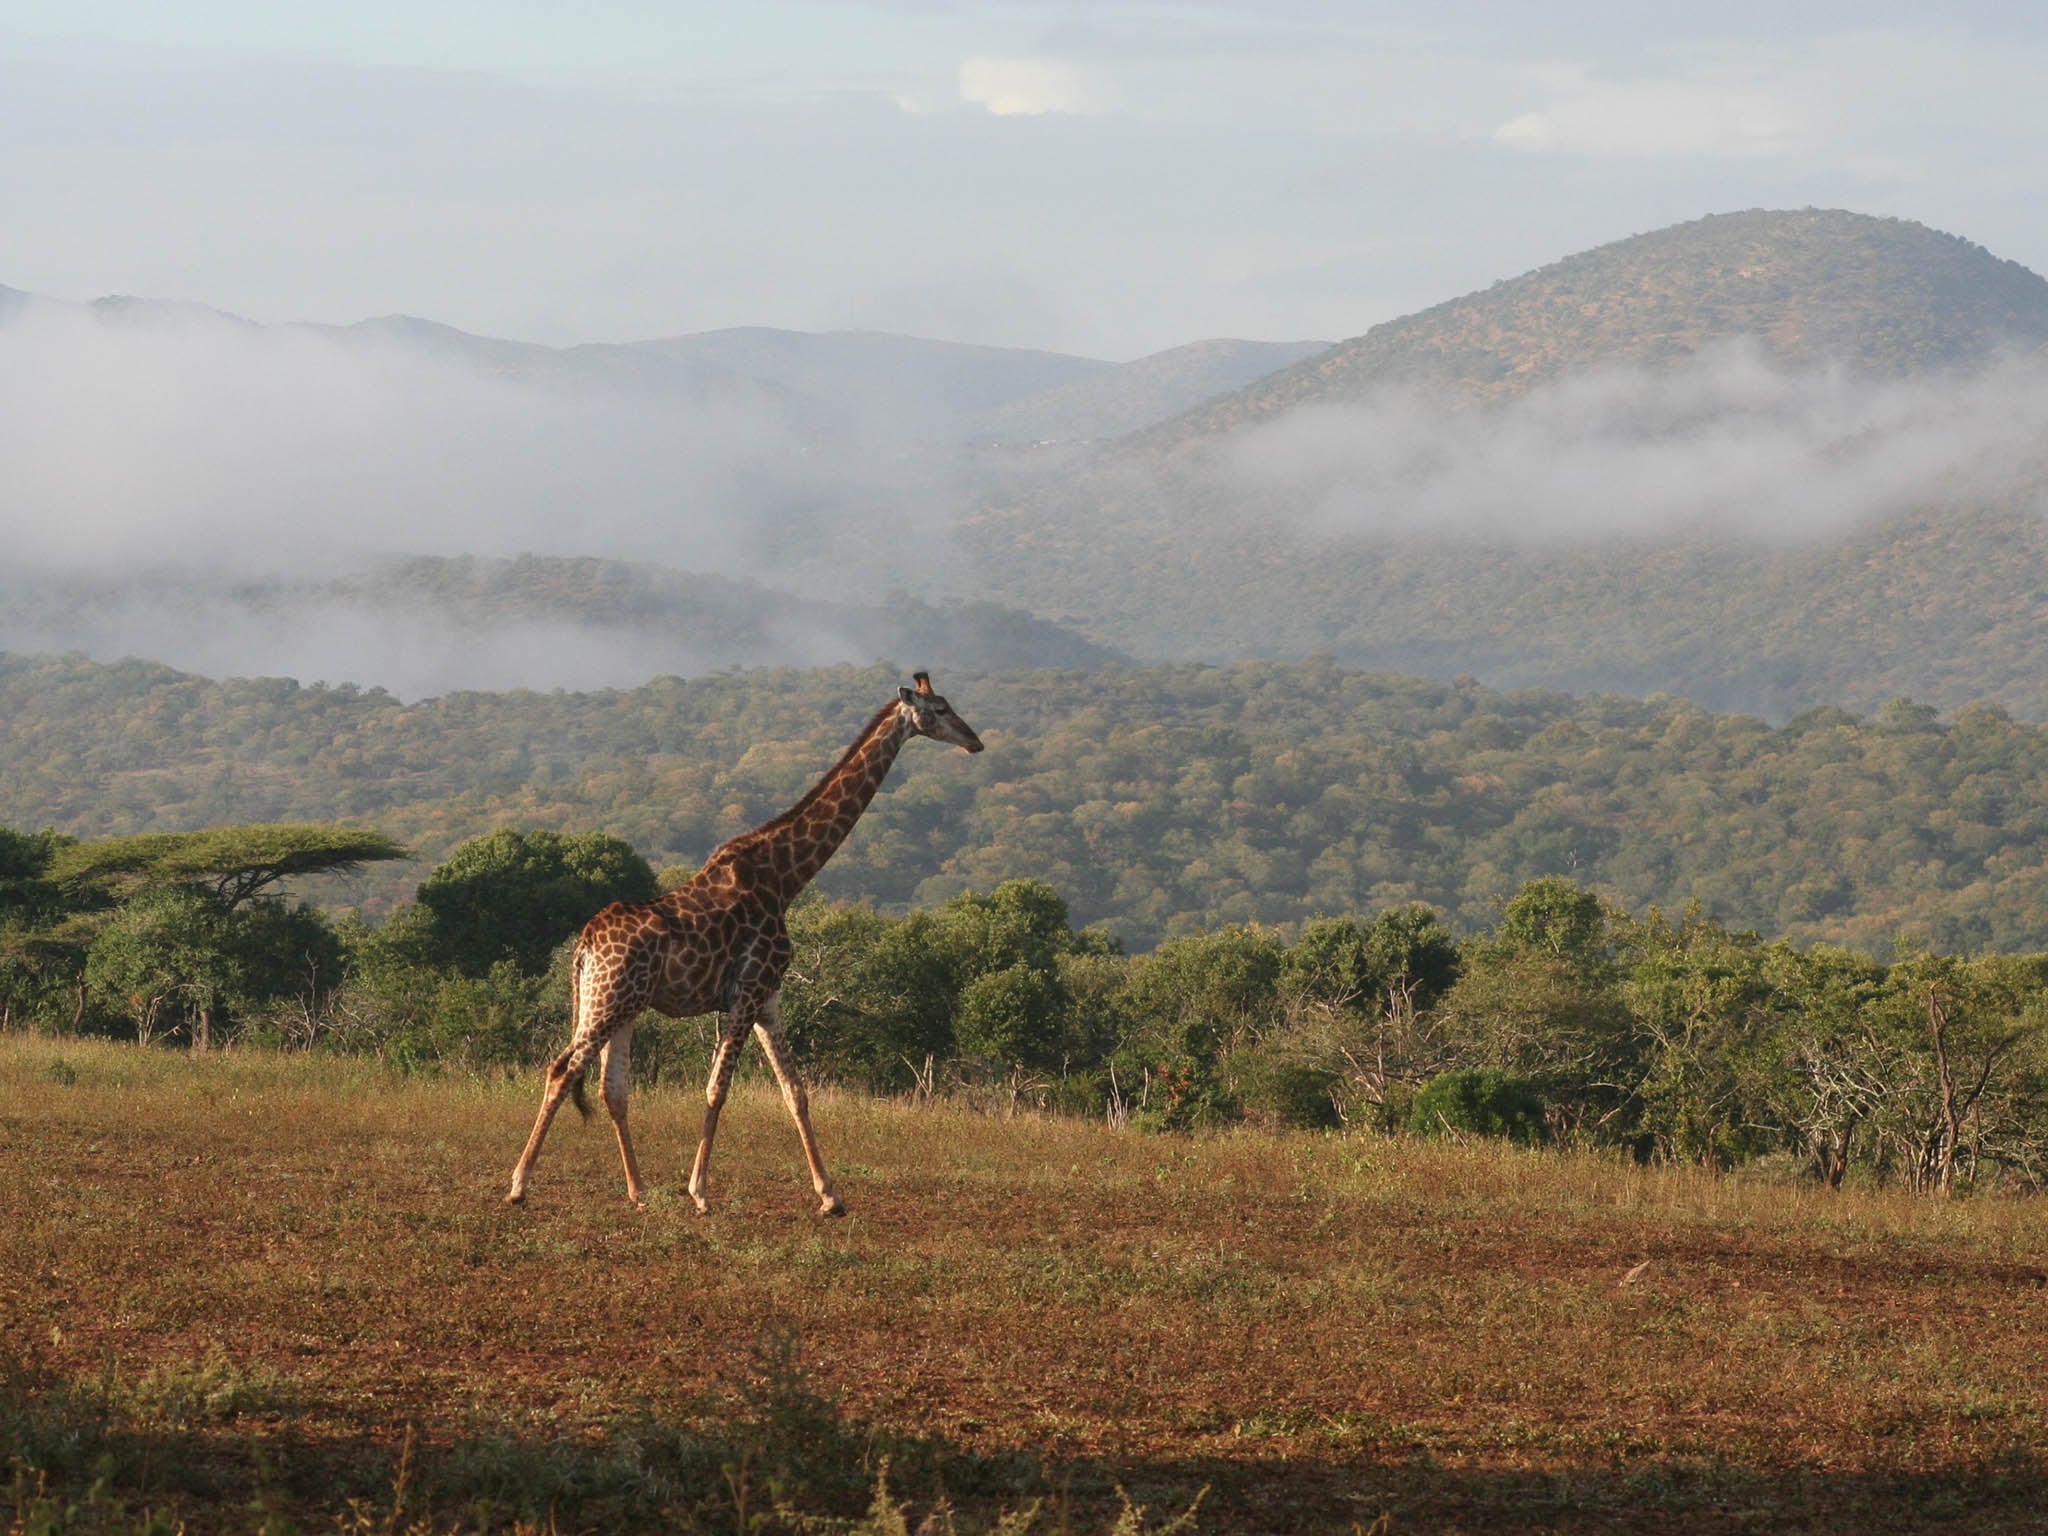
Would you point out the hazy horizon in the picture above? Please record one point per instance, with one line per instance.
(1107, 181)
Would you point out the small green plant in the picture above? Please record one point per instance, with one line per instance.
(209, 1391)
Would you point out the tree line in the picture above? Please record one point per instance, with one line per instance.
(1568, 1019)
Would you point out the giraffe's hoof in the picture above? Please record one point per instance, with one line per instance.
(703, 1205)
(517, 1197)
(833, 1207)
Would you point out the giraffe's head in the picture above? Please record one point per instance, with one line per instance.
(930, 715)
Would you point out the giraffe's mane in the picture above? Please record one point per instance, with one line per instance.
(810, 796)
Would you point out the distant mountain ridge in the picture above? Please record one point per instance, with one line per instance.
(911, 386)
(1269, 520)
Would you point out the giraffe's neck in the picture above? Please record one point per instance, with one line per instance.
(802, 838)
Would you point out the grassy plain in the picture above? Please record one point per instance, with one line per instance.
(247, 1292)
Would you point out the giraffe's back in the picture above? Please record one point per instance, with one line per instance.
(684, 953)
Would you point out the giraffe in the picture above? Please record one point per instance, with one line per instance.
(719, 943)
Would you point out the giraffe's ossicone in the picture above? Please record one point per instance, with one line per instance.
(719, 944)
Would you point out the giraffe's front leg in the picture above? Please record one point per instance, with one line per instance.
(769, 1028)
(732, 1035)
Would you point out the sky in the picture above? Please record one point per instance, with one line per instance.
(1105, 178)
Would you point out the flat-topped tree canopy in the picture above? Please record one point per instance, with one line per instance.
(236, 864)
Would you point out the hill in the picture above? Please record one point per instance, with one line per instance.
(1628, 470)
(1813, 287)
(1157, 799)
(1942, 605)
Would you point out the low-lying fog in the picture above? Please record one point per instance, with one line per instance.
(184, 486)
(1724, 443)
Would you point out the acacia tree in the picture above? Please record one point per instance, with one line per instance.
(232, 865)
(1815, 1070)
(36, 962)
(867, 998)
(1952, 1045)
(1004, 951)
(175, 958)
(175, 929)
(1697, 996)
(1188, 1001)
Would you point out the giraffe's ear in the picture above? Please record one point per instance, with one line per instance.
(905, 695)
(923, 681)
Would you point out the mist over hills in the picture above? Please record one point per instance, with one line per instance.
(191, 486)
(1769, 460)
(425, 626)
(1132, 396)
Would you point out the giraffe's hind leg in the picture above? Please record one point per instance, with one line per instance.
(600, 1013)
(617, 1059)
(768, 1027)
(565, 1073)
(732, 1035)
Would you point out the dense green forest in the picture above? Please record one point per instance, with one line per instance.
(1942, 605)
(1569, 1021)
(1158, 800)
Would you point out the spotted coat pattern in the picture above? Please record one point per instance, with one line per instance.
(719, 943)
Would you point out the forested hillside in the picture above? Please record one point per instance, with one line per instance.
(1157, 799)
(1942, 605)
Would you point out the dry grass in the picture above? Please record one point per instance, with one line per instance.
(267, 1275)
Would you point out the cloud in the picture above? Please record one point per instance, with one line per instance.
(1028, 87)
(156, 452)
(1662, 119)
(155, 433)
(1725, 445)
(404, 644)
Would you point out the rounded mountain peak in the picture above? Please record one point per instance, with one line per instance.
(1813, 288)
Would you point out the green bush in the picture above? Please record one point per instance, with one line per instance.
(1480, 1104)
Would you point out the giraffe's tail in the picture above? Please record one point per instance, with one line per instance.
(582, 1062)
